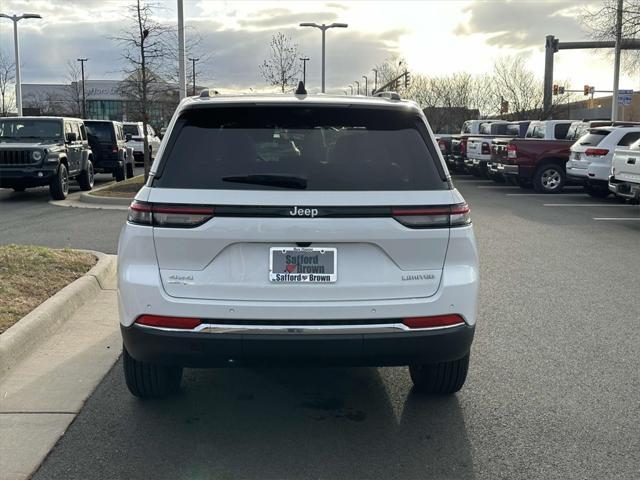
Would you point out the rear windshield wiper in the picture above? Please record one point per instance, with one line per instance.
(285, 181)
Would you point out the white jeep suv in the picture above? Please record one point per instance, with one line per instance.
(297, 230)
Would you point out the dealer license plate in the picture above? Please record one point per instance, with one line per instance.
(303, 265)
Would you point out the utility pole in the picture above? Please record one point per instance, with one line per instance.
(616, 63)
(375, 81)
(324, 29)
(181, 67)
(194, 60)
(366, 85)
(304, 69)
(84, 98)
(16, 19)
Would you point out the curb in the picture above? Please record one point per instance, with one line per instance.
(22, 337)
(87, 198)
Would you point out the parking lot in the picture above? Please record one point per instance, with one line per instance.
(551, 393)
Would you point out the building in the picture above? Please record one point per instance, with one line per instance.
(598, 108)
(105, 99)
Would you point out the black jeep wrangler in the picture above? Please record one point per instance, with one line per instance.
(110, 152)
(38, 151)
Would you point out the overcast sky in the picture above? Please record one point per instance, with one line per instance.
(436, 37)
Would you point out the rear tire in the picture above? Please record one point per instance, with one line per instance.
(549, 179)
(86, 177)
(148, 380)
(119, 174)
(19, 189)
(440, 378)
(596, 192)
(59, 186)
(129, 170)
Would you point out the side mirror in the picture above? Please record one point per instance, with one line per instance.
(71, 137)
(128, 137)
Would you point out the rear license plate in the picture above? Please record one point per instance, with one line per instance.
(303, 265)
(576, 156)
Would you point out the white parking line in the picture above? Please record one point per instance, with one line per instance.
(587, 205)
(497, 186)
(636, 219)
(538, 194)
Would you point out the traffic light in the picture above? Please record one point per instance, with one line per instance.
(407, 79)
(561, 90)
(587, 90)
(555, 89)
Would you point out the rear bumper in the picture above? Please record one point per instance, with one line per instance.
(507, 169)
(198, 349)
(624, 189)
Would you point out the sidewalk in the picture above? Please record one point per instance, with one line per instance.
(40, 396)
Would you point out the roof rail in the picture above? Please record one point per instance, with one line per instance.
(389, 95)
(207, 93)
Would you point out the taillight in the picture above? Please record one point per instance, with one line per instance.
(165, 215)
(595, 152)
(486, 149)
(433, 217)
(168, 322)
(442, 145)
(512, 151)
(463, 146)
(433, 322)
(114, 150)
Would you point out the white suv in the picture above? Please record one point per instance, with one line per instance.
(134, 132)
(297, 230)
(590, 159)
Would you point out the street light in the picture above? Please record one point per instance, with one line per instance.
(323, 28)
(194, 60)
(304, 61)
(358, 85)
(366, 85)
(351, 87)
(375, 82)
(84, 98)
(16, 19)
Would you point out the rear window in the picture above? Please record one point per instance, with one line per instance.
(320, 148)
(628, 139)
(560, 130)
(593, 138)
(513, 129)
(102, 132)
(130, 130)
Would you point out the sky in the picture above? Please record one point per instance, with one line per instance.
(435, 38)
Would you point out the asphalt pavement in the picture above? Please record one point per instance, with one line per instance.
(553, 388)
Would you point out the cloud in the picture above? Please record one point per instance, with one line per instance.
(284, 18)
(519, 25)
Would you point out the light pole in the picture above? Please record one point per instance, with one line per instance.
(616, 62)
(304, 69)
(16, 19)
(375, 81)
(366, 85)
(358, 85)
(351, 87)
(182, 71)
(84, 98)
(194, 60)
(323, 28)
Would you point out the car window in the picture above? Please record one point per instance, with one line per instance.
(466, 127)
(499, 128)
(100, 131)
(512, 129)
(635, 145)
(24, 128)
(83, 131)
(535, 130)
(560, 130)
(628, 139)
(324, 148)
(593, 138)
(76, 129)
(485, 129)
(67, 128)
(576, 130)
(151, 131)
(131, 130)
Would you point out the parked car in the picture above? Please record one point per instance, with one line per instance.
(539, 159)
(110, 152)
(625, 172)
(444, 144)
(516, 129)
(134, 135)
(591, 155)
(40, 151)
(479, 147)
(234, 253)
(456, 159)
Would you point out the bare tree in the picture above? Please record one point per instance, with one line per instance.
(389, 69)
(281, 68)
(143, 49)
(73, 91)
(193, 49)
(7, 76)
(601, 25)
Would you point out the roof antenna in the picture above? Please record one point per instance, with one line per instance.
(301, 90)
